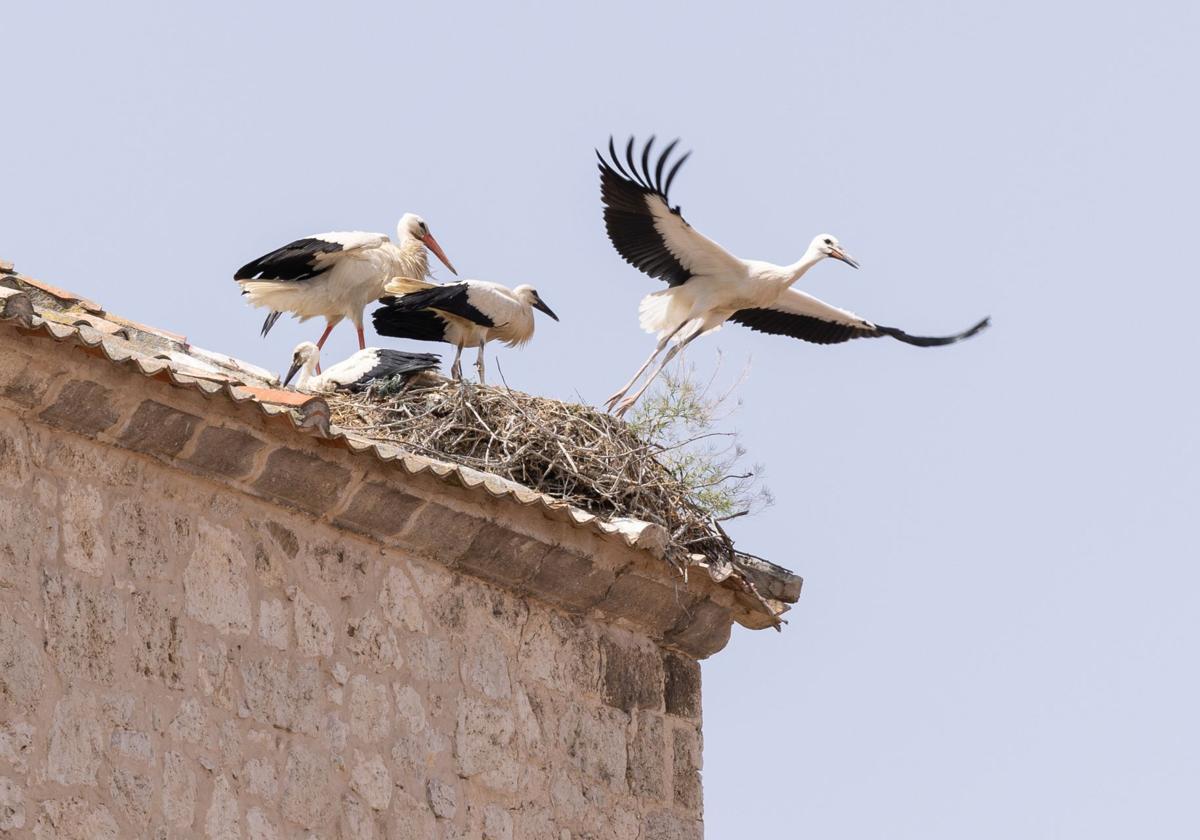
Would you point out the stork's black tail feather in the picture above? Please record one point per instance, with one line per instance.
(932, 341)
(270, 322)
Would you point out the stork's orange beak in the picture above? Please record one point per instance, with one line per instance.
(432, 245)
(839, 254)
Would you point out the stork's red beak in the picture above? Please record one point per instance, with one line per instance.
(432, 245)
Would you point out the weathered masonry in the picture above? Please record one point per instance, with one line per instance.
(220, 617)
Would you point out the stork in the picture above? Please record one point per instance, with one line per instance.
(335, 275)
(471, 312)
(708, 285)
(368, 365)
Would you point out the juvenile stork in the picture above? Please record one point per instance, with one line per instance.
(335, 275)
(357, 372)
(471, 312)
(708, 285)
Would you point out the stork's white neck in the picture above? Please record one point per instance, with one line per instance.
(797, 269)
(306, 372)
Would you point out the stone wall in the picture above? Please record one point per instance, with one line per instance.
(179, 660)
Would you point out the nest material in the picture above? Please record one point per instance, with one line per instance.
(568, 451)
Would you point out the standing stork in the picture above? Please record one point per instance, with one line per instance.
(357, 372)
(708, 285)
(335, 275)
(471, 312)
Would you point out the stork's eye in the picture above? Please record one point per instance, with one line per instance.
(828, 241)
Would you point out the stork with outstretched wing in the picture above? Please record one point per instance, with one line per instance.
(707, 285)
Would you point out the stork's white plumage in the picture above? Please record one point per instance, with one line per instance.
(368, 365)
(468, 313)
(335, 275)
(708, 285)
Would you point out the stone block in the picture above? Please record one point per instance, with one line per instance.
(259, 826)
(666, 825)
(314, 627)
(223, 820)
(83, 628)
(284, 694)
(21, 668)
(83, 527)
(158, 429)
(594, 739)
(273, 623)
(485, 667)
(703, 629)
(225, 452)
(686, 764)
(399, 602)
(22, 382)
(561, 652)
(307, 794)
(632, 675)
(12, 805)
(441, 533)
(342, 568)
(189, 723)
(358, 821)
(682, 685)
(371, 780)
(132, 794)
(16, 736)
(484, 745)
(432, 659)
(74, 819)
(647, 770)
(132, 744)
(370, 710)
(178, 790)
(261, 779)
(497, 823)
(503, 556)
(15, 467)
(378, 510)
(646, 603)
(374, 643)
(84, 407)
(216, 589)
(78, 739)
(304, 481)
(28, 542)
(570, 580)
(158, 640)
(148, 541)
(443, 798)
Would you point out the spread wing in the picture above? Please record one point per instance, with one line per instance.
(805, 317)
(646, 231)
(308, 257)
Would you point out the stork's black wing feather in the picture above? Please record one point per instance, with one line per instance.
(421, 325)
(819, 331)
(803, 327)
(295, 261)
(453, 298)
(627, 217)
(392, 363)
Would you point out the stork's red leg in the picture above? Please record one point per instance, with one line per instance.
(362, 339)
(321, 341)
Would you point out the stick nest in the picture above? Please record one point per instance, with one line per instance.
(567, 451)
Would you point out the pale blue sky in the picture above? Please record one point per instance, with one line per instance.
(999, 632)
